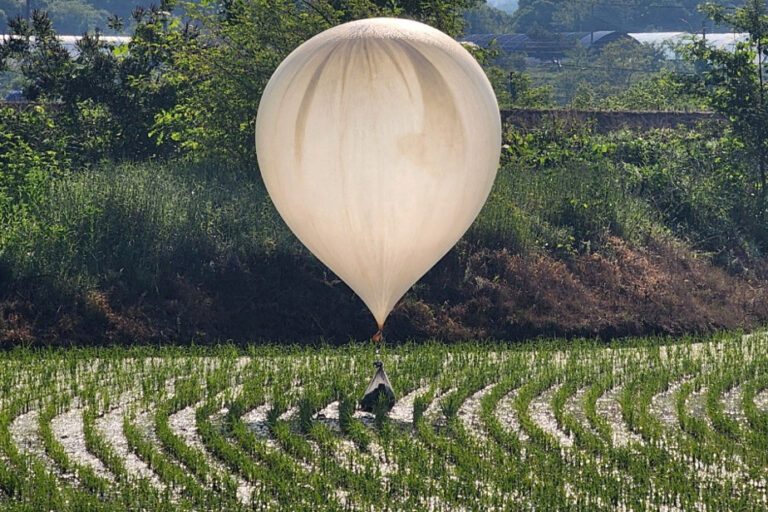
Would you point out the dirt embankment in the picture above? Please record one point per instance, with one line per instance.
(660, 289)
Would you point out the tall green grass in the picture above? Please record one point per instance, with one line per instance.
(560, 189)
(137, 222)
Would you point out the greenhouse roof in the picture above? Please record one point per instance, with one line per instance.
(554, 46)
(70, 42)
(545, 47)
(669, 40)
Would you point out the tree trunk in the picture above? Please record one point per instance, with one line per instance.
(761, 170)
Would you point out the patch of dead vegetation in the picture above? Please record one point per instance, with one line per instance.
(662, 288)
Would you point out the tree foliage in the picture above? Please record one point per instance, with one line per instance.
(221, 76)
(30, 157)
(733, 82)
(188, 83)
(485, 19)
(120, 88)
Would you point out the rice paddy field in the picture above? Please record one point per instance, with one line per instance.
(638, 425)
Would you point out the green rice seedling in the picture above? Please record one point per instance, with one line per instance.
(690, 424)
(306, 411)
(420, 404)
(595, 391)
(450, 404)
(381, 411)
(350, 426)
(274, 413)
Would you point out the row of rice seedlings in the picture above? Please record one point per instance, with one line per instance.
(757, 419)
(740, 440)
(548, 479)
(542, 457)
(540, 454)
(188, 391)
(140, 493)
(415, 469)
(671, 454)
(230, 453)
(593, 479)
(667, 477)
(758, 423)
(141, 490)
(721, 444)
(607, 470)
(278, 477)
(492, 487)
(455, 456)
(239, 461)
(136, 491)
(602, 468)
(577, 378)
(22, 479)
(210, 376)
(726, 380)
(174, 475)
(30, 484)
(597, 389)
(575, 425)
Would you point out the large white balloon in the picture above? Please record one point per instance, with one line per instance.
(378, 141)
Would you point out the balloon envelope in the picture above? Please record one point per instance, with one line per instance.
(378, 141)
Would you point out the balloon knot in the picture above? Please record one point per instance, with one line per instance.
(377, 337)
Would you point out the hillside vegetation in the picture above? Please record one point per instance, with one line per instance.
(133, 210)
(583, 234)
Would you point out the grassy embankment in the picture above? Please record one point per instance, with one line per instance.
(583, 234)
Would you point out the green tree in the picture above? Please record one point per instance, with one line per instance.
(109, 96)
(68, 16)
(733, 82)
(221, 76)
(485, 19)
(523, 94)
(660, 91)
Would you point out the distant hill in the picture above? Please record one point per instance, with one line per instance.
(624, 16)
(508, 6)
(75, 16)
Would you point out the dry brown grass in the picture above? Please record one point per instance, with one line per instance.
(662, 288)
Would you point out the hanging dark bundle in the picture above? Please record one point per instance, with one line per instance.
(379, 386)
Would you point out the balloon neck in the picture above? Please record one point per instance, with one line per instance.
(378, 336)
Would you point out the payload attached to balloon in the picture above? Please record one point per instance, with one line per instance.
(378, 142)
